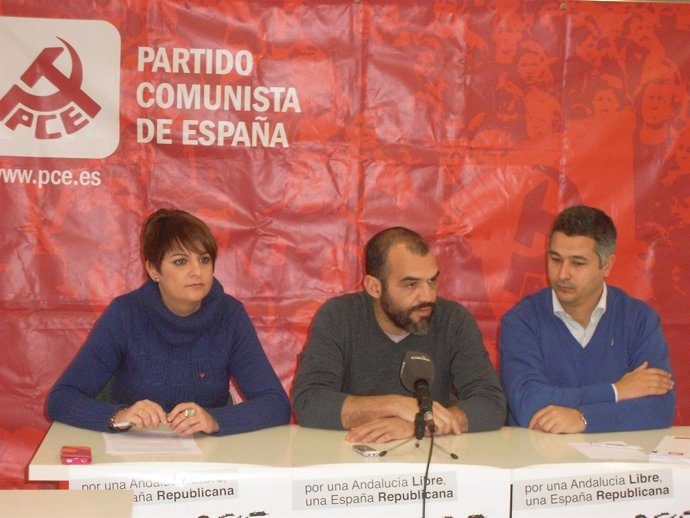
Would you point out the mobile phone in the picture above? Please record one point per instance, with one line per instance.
(365, 450)
(75, 455)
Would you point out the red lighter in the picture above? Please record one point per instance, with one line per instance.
(75, 455)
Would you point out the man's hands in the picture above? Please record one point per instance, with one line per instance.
(381, 419)
(449, 420)
(381, 430)
(557, 419)
(641, 382)
(644, 381)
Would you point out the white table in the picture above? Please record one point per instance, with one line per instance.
(301, 472)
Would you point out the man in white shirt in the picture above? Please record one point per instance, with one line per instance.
(582, 356)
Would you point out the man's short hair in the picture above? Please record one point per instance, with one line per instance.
(376, 251)
(591, 222)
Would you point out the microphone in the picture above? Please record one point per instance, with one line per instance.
(416, 374)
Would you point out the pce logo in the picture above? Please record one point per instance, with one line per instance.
(59, 93)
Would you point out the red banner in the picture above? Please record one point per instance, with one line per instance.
(298, 129)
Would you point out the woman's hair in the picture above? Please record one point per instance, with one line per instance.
(170, 229)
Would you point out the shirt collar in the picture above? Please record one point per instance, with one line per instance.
(599, 309)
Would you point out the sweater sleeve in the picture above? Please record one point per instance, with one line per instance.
(529, 387)
(318, 397)
(265, 401)
(73, 398)
(524, 377)
(478, 388)
(648, 344)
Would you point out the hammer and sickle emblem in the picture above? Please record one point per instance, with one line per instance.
(68, 86)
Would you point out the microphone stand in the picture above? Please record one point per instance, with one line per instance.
(418, 435)
(419, 426)
(452, 455)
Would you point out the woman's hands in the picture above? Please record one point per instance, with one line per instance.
(188, 418)
(185, 419)
(142, 414)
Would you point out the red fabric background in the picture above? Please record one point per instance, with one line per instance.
(472, 122)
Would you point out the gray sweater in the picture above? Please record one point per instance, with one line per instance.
(348, 353)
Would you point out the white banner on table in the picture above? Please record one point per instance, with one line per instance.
(606, 490)
(192, 490)
(374, 490)
(370, 490)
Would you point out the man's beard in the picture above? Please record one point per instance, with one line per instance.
(402, 317)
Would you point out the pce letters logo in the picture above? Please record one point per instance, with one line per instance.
(59, 88)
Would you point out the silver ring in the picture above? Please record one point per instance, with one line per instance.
(190, 412)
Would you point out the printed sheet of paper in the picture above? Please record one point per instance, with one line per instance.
(672, 449)
(611, 450)
(161, 442)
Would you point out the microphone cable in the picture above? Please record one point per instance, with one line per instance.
(426, 472)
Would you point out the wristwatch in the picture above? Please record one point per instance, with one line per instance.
(111, 421)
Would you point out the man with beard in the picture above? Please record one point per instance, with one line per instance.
(583, 356)
(349, 372)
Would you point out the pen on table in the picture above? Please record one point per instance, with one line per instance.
(615, 445)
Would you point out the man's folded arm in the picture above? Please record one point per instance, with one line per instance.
(358, 410)
(317, 393)
(633, 414)
(525, 383)
(318, 407)
(479, 392)
(486, 411)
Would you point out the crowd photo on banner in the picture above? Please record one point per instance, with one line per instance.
(285, 136)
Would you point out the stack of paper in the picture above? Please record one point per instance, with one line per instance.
(610, 450)
(149, 442)
(672, 448)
